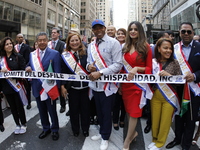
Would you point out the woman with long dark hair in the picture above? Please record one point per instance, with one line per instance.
(12, 88)
(137, 58)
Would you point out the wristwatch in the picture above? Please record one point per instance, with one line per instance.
(101, 72)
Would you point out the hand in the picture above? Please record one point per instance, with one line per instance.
(28, 69)
(132, 73)
(189, 77)
(64, 92)
(94, 75)
(91, 67)
(4, 70)
(164, 73)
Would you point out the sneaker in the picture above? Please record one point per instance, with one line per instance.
(104, 144)
(151, 145)
(155, 148)
(96, 137)
(17, 130)
(22, 130)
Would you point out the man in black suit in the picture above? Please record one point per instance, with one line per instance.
(187, 53)
(24, 50)
(58, 45)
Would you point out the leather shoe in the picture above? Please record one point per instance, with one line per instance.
(172, 144)
(68, 113)
(62, 109)
(116, 127)
(55, 136)
(2, 128)
(85, 133)
(76, 134)
(44, 134)
(28, 106)
(147, 129)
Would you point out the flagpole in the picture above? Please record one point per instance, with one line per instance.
(190, 106)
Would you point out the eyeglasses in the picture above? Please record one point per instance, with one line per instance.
(184, 31)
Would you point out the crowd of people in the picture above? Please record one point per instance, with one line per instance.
(111, 51)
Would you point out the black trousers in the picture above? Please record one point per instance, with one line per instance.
(185, 125)
(62, 99)
(1, 114)
(28, 91)
(104, 106)
(118, 110)
(17, 108)
(79, 106)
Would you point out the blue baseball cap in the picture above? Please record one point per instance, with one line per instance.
(98, 21)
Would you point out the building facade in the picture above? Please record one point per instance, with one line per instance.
(30, 17)
(88, 14)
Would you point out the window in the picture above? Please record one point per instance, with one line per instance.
(51, 16)
(8, 12)
(1, 9)
(60, 7)
(17, 14)
(25, 16)
(39, 2)
(60, 19)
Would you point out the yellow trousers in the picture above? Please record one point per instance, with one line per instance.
(161, 113)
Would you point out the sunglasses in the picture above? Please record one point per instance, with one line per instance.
(184, 31)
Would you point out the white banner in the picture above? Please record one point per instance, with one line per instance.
(121, 78)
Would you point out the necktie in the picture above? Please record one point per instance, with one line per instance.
(19, 47)
(41, 55)
(99, 41)
(53, 44)
(76, 56)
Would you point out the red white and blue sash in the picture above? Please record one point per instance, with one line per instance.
(166, 90)
(17, 86)
(50, 45)
(17, 48)
(109, 88)
(146, 90)
(37, 66)
(70, 61)
(185, 68)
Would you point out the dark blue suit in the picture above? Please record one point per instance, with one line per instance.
(47, 106)
(185, 125)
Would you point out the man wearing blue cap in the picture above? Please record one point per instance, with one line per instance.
(104, 57)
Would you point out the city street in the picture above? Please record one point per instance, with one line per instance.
(30, 140)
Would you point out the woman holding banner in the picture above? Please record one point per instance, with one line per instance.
(12, 88)
(164, 103)
(74, 62)
(137, 58)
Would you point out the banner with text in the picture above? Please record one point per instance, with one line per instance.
(121, 78)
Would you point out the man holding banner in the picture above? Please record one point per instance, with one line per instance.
(187, 52)
(45, 91)
(104, 57)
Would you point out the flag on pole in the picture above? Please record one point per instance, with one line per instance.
(50, 86)
(185, 100)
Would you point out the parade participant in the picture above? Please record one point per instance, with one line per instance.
(187, 53)
(104, 57)
(111, 31)
(58, 45)
(74, 62)
(165, 101)
(24, 50)
(118, 110)
(138, 57)
(40, 60)
(11, 87)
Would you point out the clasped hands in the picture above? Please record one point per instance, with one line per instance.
(94, 75)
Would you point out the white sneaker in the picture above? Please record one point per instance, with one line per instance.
(17, 130)
(104, 144)
(96, 137)
(22, 130)
(155, 148)
(151, 145)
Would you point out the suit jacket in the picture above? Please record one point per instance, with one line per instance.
(60, 46)
(194, 60)
(25, 52)
(50, 54)
(65, 69)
